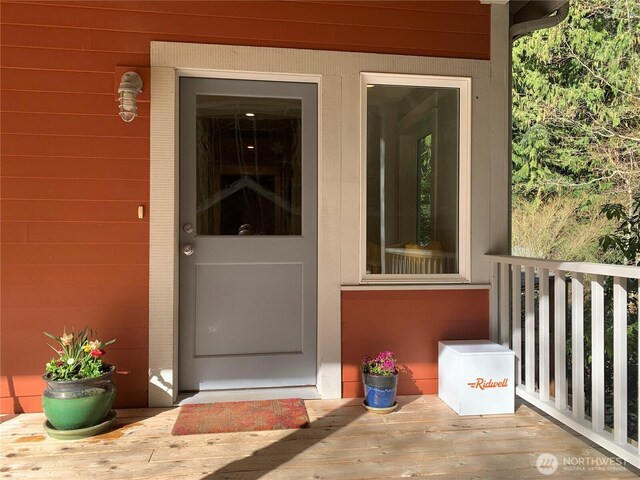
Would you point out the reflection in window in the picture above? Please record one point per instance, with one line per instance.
(424, 190)
(248, 165)
(412, 180)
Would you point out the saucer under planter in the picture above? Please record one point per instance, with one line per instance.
(79, 404)
(380, 410)
(79, 433)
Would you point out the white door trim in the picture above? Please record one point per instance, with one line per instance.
(163, 250)
(338, 76)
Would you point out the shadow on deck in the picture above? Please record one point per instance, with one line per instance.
(422, 438)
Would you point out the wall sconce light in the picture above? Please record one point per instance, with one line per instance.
(130, 86)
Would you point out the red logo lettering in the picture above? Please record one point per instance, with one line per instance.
(481, 383)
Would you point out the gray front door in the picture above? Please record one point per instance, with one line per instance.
(248, 234)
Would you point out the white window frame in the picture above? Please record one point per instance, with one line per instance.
(463, 84)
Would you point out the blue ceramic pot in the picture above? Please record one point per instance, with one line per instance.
(380, 390)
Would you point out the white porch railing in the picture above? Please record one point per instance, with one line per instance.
(413, 260)
(531, 300)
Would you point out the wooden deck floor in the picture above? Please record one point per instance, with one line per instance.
(423, 438)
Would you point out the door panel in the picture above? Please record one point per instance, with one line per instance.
(228, 324)
(248, 233)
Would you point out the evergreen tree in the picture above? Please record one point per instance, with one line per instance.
(576, 104)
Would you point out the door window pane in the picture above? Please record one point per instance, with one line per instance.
(412, 179)
(248, 154)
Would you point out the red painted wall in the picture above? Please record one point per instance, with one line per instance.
(73, 174)
(409, 323)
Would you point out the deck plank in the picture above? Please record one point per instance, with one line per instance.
(423, 437)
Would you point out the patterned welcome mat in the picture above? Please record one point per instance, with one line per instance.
(241, 416)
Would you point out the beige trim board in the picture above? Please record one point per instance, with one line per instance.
(409, 288)
(338, 76)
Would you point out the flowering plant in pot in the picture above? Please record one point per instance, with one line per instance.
(380, 379)
(79, 389)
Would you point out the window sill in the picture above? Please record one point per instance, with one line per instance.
(413, 286)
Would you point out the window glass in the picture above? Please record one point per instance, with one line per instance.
(413, 165)
(249, 165)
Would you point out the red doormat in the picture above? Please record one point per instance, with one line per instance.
(241, 416)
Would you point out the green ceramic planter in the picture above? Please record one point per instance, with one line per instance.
(76, 404)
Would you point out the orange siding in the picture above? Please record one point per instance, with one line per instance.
(409, 323)
(73, 250)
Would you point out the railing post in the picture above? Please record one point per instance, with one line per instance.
(560, 338)
(620, 360)
(577, 345)
(597, 353)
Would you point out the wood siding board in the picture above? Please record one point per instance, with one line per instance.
(469, 7)
(68, 211)
(68, 103)
(79, 254)
(298, 10)
(73, 124)
(139, 43)
(41, 58)
(74, 189)
(13, 232)
(102, 319)
(75, 167)
(89, 233)
(74, 275)
(73, 146)
(38, 80)
(61, 296)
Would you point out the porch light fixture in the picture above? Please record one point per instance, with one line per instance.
(130, 86)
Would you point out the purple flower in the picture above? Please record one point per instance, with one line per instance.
(384, 363)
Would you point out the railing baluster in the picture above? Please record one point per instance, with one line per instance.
(577, 345)
(597, 353)
(516, 312)
(620, 360)
(507, 278)
(529, 330)
(543, 366)
(504, 304)
(560, 338)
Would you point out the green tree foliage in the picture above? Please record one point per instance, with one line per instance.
(625, 241)
(576, 104)
(559, 228)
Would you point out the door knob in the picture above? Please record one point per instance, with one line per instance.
(188, 250)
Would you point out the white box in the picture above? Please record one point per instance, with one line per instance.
(475, 377)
